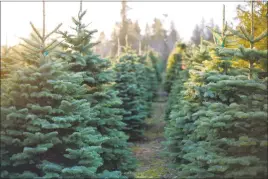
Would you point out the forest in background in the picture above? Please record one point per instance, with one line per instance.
(162, 40)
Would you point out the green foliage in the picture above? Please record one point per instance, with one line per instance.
(114, 175)
(260, 22)
(99, 77)
(251, 55)
(225, 141)
(135, 83)
(133, 104)
(6, 61)
(70, 114)
(174, 65)
(178, 81)
(156, 65)
(147, 79)
(45, 131)
(174, 96)
(182, 104)
(217, 126)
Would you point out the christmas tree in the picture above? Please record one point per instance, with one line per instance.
(222, 133)
(131, 93)
(45, 131)
(185, 103)
(147, 81)
(176, 76)
(6, 61)
(174, 65)
(155, 61)
(99, 77)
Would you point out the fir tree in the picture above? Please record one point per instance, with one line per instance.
(155, 61)
(224, 142)
(45, 132)
(183, 102)
(131, 93)
(6, 61)
(174, 65)
(147, 80)
(175, 91)
(98, 77)
(217, 135)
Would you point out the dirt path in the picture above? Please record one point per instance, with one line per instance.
(152, 163)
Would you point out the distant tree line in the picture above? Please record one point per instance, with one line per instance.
(155, 36)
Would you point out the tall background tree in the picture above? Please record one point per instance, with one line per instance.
(260, 20)
(201, 31)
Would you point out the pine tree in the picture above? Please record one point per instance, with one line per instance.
(224, 142)
(45, 132)
(147, 80)
(180, 79)
(251, 55)
(173, 37)
(196, 35)
(131, 93)
(176, 87)
(155, 61)
(6, 61)
(220, 130)
(98, 77)
(174, 65)
(260, 18)
(146, 37)
(159, 38)
(183, 104)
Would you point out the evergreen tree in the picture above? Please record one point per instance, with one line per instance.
(98, 77)
(174, 93)
(173, 33)
(251, 55)
(224, 142)
(158, 31)
(172, 37)
(196, 35)
(134, 36)
(207, 33)
(7, 61)
(182, 77)
(155, 61)
(147, 81)
(103, 47)
(114, 42)
(45, 132)
(183, 104)
(260, 18)
(174, 66)
(214, 134)
(198, 32)
(146, 38)
(124, 25)
(159, 38)
(131, 93)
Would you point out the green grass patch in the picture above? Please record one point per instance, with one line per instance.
(155, 171)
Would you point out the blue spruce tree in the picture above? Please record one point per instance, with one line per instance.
(45, 131)
(99, 78)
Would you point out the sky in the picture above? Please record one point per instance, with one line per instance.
(16, 16)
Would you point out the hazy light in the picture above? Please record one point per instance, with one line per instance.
(15, 16)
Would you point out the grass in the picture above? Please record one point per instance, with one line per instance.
(151, 162)
(155, 171)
